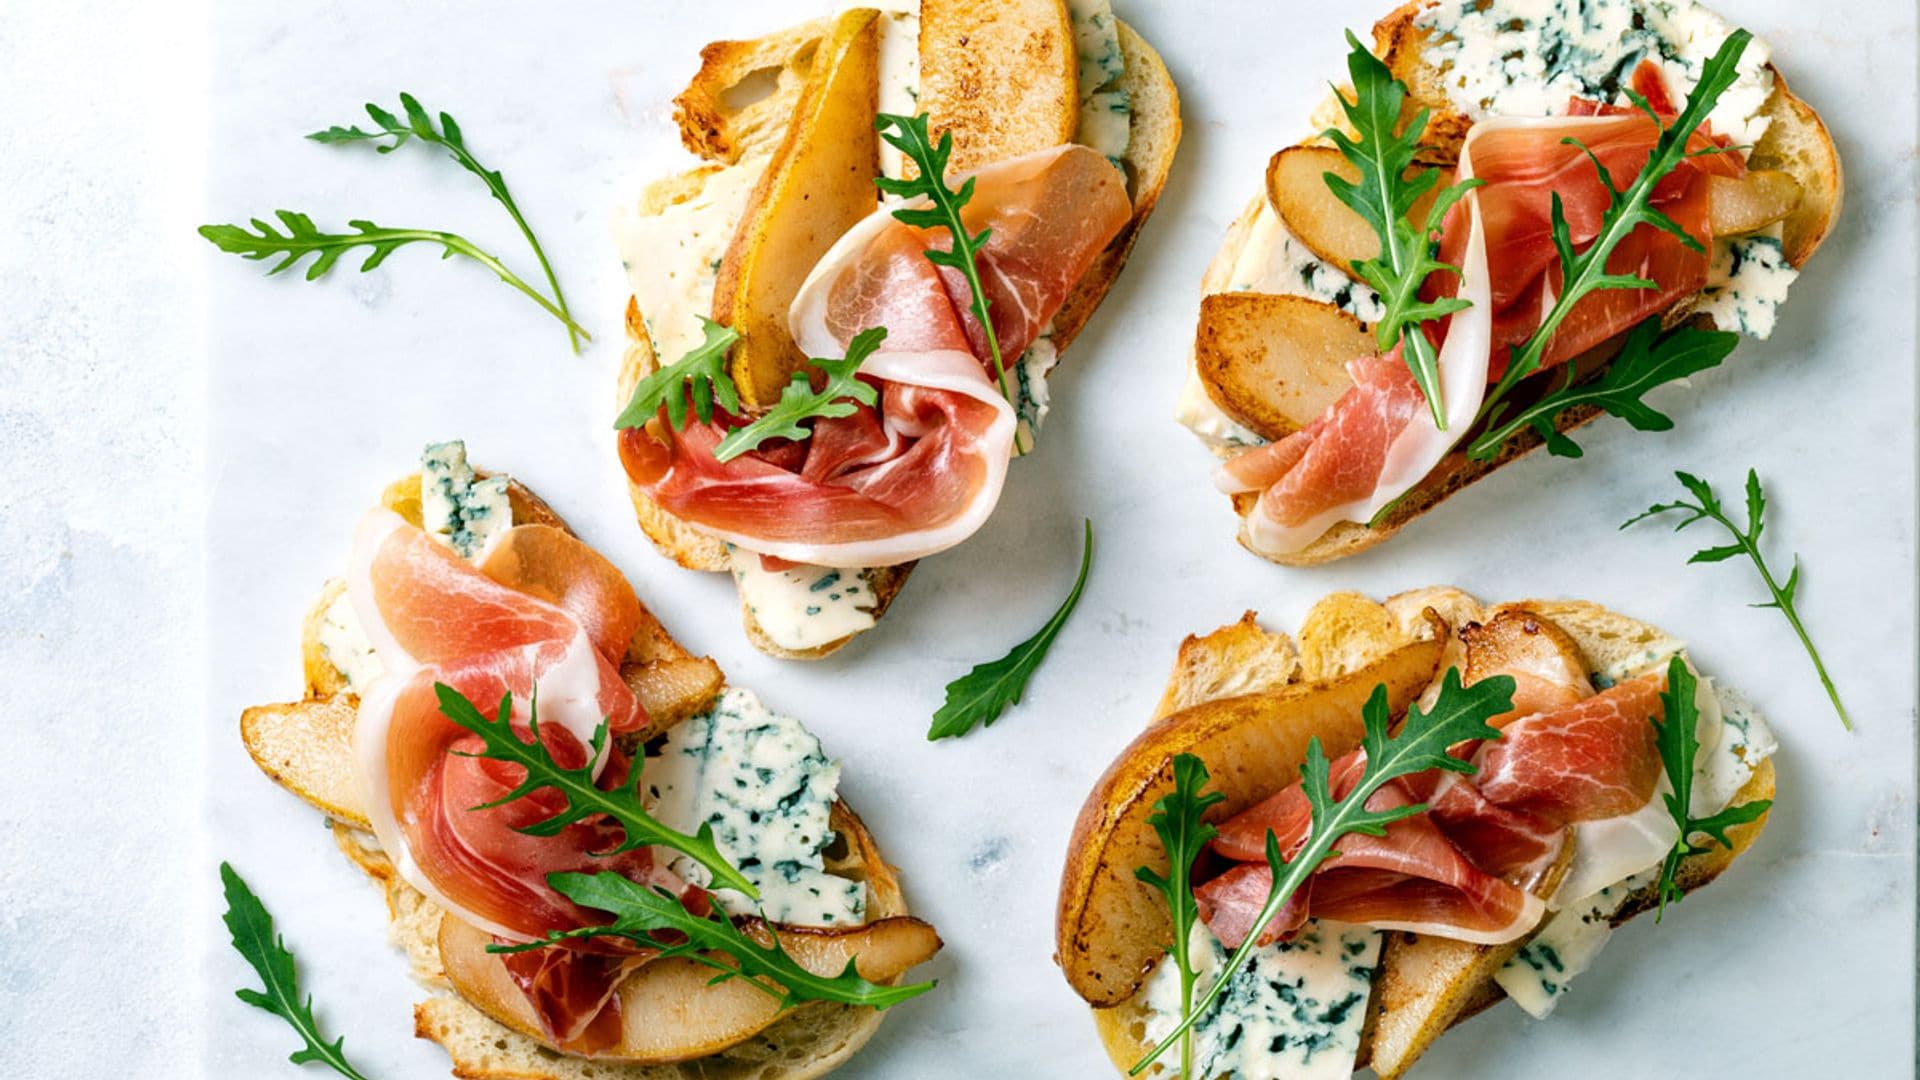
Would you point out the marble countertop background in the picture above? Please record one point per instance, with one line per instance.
(187, 447)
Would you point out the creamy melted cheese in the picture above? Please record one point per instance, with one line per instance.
(1746, 284)
(673, 257)
(1294, 1012)
(761, 781)
(1528, 57)
(806, 606)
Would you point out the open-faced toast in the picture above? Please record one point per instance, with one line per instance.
(676, 1022)
(1263, 370)
(1004, 79)
(1246, 700)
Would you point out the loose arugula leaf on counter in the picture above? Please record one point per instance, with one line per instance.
(419, 125)
(1585, 272)
(1459, 714)
(981, 695)
(701, 374)
(1746, 542)
(1384, 198)
(641, 912)
(800, 402)
(584, 797)
(303, 238)
(1180, 819)
(908, 134)
(1648, 359)
(251, 925)
(1679, 743)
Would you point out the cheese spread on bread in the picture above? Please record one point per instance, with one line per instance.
(760, 780)
(1294, 1012)
(1527, 57)
(345, 643)
(804, 607)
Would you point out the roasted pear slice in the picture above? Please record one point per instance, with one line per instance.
(818, 185)
(1749, 203)
(1297, 188)
(1112, 928)
(1275, 363)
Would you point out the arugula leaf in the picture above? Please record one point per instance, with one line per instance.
(1679, 743)
(1585, 272)
(800, 402)
(1648, 359)
(702, 373)
(303, 238)
(418, 124)
(1384, 198)
(1180, 819)
(908, 134)
(981, 695)
(642, 914)
(584, 798)
(250, 924)
(1746, 541)
(1459, 714)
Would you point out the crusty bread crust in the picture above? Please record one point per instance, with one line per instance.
(1797, 142)
(720, 133)
(1342, 633)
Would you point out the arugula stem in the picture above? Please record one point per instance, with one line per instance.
(470, 251)
(499, 189)
(1785, 603)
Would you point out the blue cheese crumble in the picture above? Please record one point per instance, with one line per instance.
(1295, 1011)
(1030, 376)
(804, 607)
(457, 508)
(1746, 284)
(1528, 57)
(761, 781)
(1106, 110)
(346, 646)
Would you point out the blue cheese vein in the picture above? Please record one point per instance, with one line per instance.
(457, 508)
(761, 782)
(1746, 284)
(804, 607)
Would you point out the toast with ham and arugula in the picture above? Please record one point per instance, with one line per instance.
(812, 400)
(601, 859)
(1515, 219)
(1490, 789)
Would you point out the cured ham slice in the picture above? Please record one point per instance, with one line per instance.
(1378, 439)
(543, 617)
(1466, 868)
(922, 470)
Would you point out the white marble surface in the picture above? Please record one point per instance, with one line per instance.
(121, 425)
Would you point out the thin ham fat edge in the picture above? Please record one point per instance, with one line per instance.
(568, 694)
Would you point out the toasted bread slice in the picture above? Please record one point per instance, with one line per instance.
(771, 72)
(307, 748)
(1796, 142)
(1425, 985)
(1002, 77)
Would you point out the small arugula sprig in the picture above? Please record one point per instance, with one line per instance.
(908, 134)
(303, 238)
(1180, 818)
(584, 797)
(251, 925)
(701, 375)
(1746, 541)
(981, 695)
(1459, 714)
(1584, 272)
(1679, 743)
(1647, 359)
(419, 125)
(1385, 198)
(800, 402)
(642, 913)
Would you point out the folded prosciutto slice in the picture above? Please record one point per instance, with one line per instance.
(1378, 439)
(541, 615)
(1466, 868)
(922, 470)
